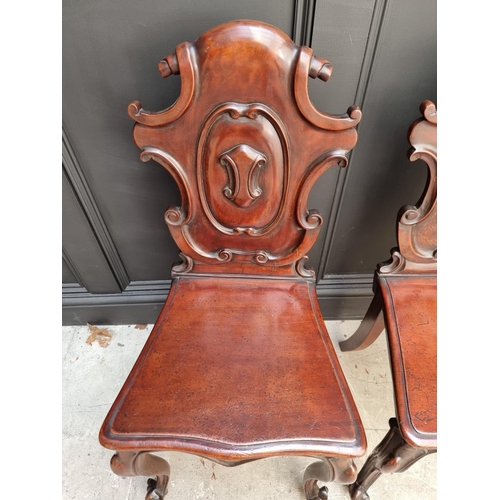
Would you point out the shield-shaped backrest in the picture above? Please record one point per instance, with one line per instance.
(245, 145)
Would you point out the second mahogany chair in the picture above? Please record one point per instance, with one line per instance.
(405, 304)
(239, 365)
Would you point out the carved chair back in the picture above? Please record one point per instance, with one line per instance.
(245, 145)
(417, 226)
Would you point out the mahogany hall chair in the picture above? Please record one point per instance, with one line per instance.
(239, 365)
(405, 305)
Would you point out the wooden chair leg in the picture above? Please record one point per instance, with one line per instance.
(132, 463)
(393, 454)
(369, 329)
(341, 470)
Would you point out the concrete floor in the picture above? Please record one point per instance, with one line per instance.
(92, 376)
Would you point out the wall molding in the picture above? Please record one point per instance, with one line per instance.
(345, 297)
(340, 297)
(74, 271)
(140, 302)
(349, 283)
(137, 292)
(88, 203)
(303, 22)
(73, 288)
(376, 27)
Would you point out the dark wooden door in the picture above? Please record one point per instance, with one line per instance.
(117, 250)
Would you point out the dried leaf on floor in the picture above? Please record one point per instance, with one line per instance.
(141, 327)
(102, 335)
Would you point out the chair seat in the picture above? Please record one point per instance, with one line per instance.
(410, 314)
(236, 369)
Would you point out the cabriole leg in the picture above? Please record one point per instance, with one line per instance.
(341, 470)
(142, 463)
(393, 454)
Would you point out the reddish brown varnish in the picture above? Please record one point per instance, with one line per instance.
(237, 379)
(239, 364)
(406, 294)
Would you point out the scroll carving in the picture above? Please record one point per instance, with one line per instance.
(320, 68)
(306, 66)
(169, 66)
(417, 242)
(245, 152)
(174, 216)
(182, 64)
(183, 267)
(312, 219)
(302, 270)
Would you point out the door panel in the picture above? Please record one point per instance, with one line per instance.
(380, 178)
(80, 247)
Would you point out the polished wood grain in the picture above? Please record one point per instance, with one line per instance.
(239, 365)
(406, 299)
(410, 312)
(237, 369)
(245, 145)
(392, 454)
